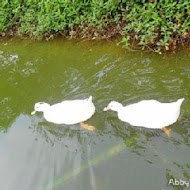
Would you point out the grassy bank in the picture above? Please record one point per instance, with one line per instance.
(159, 25)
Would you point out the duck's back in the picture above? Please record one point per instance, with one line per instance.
(70, 112)
(150, 114)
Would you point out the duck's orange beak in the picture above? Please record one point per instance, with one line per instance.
(106, 108)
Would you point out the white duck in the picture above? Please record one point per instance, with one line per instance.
(148, 113)
(67, 112)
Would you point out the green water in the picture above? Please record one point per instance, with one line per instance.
(37, 155)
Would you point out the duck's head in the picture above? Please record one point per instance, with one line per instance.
(40, 107)
(113, 105)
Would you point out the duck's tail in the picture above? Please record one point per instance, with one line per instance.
(180, 101)
(89, 99)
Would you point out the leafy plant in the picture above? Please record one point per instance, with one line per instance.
(141, 23)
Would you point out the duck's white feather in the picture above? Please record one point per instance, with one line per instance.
(70, 111)
(150, 113)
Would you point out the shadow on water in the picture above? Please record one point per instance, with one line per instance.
(36, 154)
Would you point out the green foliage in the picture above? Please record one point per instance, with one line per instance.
(157, 24)
(160, 23)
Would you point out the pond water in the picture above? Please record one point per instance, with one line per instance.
(37, 155)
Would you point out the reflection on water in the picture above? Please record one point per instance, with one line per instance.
(36, 154)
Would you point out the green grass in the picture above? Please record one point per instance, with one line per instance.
(159, 25)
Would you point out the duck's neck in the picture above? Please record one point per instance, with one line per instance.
(46, 107)
(118, 107)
